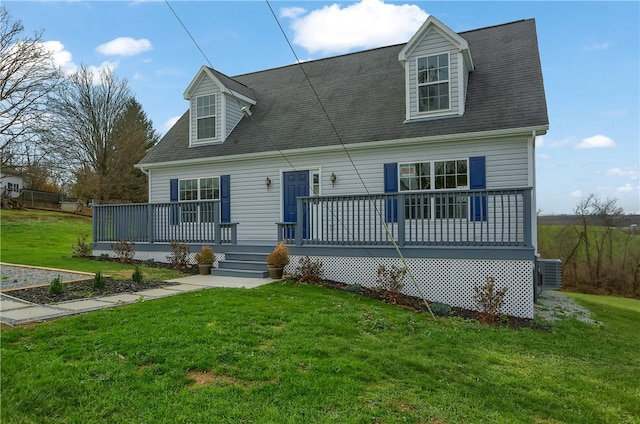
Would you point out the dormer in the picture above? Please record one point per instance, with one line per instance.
(216, 105)
(437, 63)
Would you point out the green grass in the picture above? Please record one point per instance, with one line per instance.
(44, 239)
(613, 301)
(292, 354)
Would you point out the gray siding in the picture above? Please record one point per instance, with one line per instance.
(257, 209)
(206, 87)
(433, 43)
(233, 114)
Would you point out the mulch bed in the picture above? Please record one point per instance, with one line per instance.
(418, 306)
(83, 290)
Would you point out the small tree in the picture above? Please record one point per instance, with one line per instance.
(490, 301)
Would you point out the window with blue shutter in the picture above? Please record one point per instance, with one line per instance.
(173, 197)
(225, 198)
(478, 181)
(391, 186)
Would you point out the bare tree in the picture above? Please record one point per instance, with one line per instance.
(27, 76)
(132, 136)
(87, 108)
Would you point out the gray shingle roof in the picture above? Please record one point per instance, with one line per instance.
(364, 96)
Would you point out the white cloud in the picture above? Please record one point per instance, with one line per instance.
(367, 24)
(542, 142)
(166, 125)
(614, 113)
(597, 46)
(626, 188)
(626, 172)
(292, 12)
(61, 58)
(124, 46)
(597, 141)
(138, 76)
(576, 194)
(543, 156)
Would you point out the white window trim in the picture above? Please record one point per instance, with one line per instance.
(432, 175)
(437, 112)
(198, 179)
(219, 114)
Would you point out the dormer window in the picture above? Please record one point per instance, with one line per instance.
(206, 116)
(433, 83)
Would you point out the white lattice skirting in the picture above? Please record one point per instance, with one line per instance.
(451, 281)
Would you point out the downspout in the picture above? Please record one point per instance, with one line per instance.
(534, 205)
(148, 174)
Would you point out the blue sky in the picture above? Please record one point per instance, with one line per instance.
(590, 54)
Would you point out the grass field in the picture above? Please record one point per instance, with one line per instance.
(285, 353)
(42, 238)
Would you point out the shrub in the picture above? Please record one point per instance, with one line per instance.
(205, 256)
(390, 281)
(149, 262)
(279, 257)
(103, 257)
(99, 281)
(82, 249)
(56, 287)
(178, 257)
(439, 308)
(354, 288)
(309, 271)
(124, 250)
(490, 301)
(137, 275)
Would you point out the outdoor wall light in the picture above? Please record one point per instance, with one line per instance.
(333, 179)
(268, 183)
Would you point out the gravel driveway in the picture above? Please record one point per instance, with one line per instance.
(14, 277)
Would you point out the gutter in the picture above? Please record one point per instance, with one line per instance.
(538, 130)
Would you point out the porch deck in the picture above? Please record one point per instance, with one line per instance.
(460, 218)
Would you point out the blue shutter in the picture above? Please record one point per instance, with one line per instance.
(391, 186)
(478, 181)
(173, 197)
(225, 198)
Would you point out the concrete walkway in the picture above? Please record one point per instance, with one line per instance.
(15, 311)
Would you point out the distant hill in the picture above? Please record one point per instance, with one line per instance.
(625, 220)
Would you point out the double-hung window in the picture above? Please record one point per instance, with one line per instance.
(434, 176)
(206, 117)
(433, 83)
(198, 189)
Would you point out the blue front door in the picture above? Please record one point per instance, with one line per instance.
(296, 183)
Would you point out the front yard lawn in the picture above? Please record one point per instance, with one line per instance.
(286, 353)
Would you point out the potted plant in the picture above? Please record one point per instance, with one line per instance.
(277, 260)
(205, 260)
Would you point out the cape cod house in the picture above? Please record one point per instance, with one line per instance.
(424, 148)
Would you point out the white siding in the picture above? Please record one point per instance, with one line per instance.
(233, 114)
(433, 43)
(257, 209)
(206, 87)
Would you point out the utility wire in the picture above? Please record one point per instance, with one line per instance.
(335, 130)
(386, 227)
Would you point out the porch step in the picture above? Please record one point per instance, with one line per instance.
(239, 273)
(242, 264)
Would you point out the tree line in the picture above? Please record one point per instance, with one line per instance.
(80, 132)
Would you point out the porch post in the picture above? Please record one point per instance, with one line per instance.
(150, 235)
(528, 216)
(400, 214)
(299, 221)
(217, 231)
